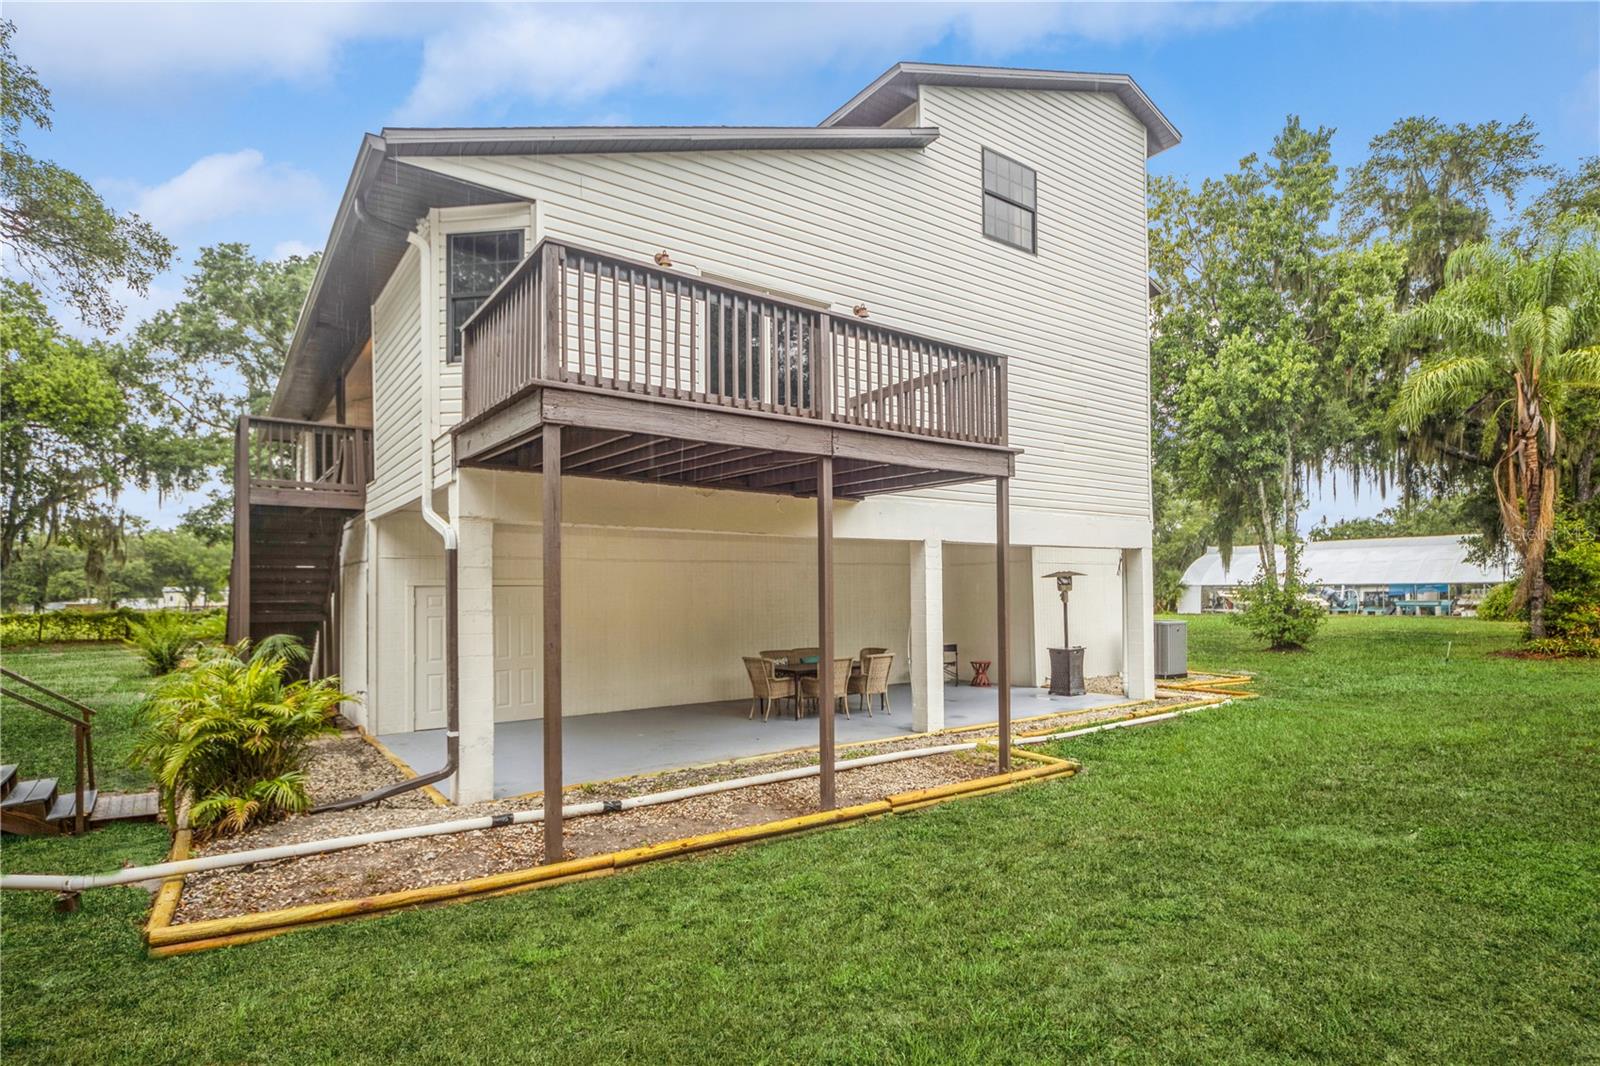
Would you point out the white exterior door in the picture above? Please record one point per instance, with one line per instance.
(518, 655)
(518, 652)
(427, 701)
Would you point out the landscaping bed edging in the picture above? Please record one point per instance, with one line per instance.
(166, 939)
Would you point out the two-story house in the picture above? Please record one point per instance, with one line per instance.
(575, 419)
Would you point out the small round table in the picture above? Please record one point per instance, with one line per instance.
(980, 673)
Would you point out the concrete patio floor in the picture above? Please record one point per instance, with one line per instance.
(601, 746)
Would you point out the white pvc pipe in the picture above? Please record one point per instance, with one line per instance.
(1122, 724)
(159, 871)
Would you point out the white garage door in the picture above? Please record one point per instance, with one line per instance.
(518, 655)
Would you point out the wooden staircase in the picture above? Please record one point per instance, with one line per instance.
(37, 805)
(296, 484)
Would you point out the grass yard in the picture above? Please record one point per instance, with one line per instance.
(109, 677)
(1390, 857)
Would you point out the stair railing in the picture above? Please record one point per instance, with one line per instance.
(82, 732)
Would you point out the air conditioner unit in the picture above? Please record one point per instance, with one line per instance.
(1172, 649)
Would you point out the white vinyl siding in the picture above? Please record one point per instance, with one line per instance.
(396, 390)
(901, 231)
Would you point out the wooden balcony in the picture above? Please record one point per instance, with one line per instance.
(662, 376)
(287, 462)
(589, 365)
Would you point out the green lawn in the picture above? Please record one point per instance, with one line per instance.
(1390, 857)
(108, 677)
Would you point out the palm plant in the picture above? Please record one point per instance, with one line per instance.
(1514, 335)
(161, 641)
(231, 733)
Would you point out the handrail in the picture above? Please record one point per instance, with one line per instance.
(573, 315)
(82, 736)
(85, 709)
(303, 423)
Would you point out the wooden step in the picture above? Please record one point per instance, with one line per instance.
(8, 780)
(32, 797)
(126, 807)
(66, 805)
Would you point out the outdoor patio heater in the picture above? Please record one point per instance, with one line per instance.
(1066, 662)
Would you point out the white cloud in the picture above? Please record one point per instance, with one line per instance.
(574, 54)
(225, 185)
(144, 46)
(473, 52)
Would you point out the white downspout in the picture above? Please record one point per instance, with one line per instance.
(430, 389)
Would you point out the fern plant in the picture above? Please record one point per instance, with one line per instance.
(231, 732)
(161, 640)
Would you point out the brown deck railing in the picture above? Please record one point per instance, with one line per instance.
(285, 455)
(573, 316)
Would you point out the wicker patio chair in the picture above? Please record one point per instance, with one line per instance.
(810, 686)
(798, 655)
(780, 656)
(873, 680)
(766, 686)
(863, 655)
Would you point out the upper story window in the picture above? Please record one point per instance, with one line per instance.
(1008, 201)
(477, 263)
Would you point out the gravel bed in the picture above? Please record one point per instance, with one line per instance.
(345, 765)
(406, 864)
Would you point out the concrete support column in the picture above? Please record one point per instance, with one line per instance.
(1138, 624)
(927, 635)
(474, 780)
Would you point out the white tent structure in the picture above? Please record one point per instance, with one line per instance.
(1393, 565)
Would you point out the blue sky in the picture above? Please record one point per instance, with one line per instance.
(240, 121)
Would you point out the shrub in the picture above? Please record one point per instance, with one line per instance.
(161, 641)
(230, 734)
(1572, 610)
(1284, 615)
(1565, 647)
(54, 627)
(1496, 603)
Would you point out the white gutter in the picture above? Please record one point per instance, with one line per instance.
(134, 874)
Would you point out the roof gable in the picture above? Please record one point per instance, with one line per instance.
(896, 89)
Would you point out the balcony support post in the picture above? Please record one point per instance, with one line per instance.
(927, 635)
(550, 534)
(825, 693)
